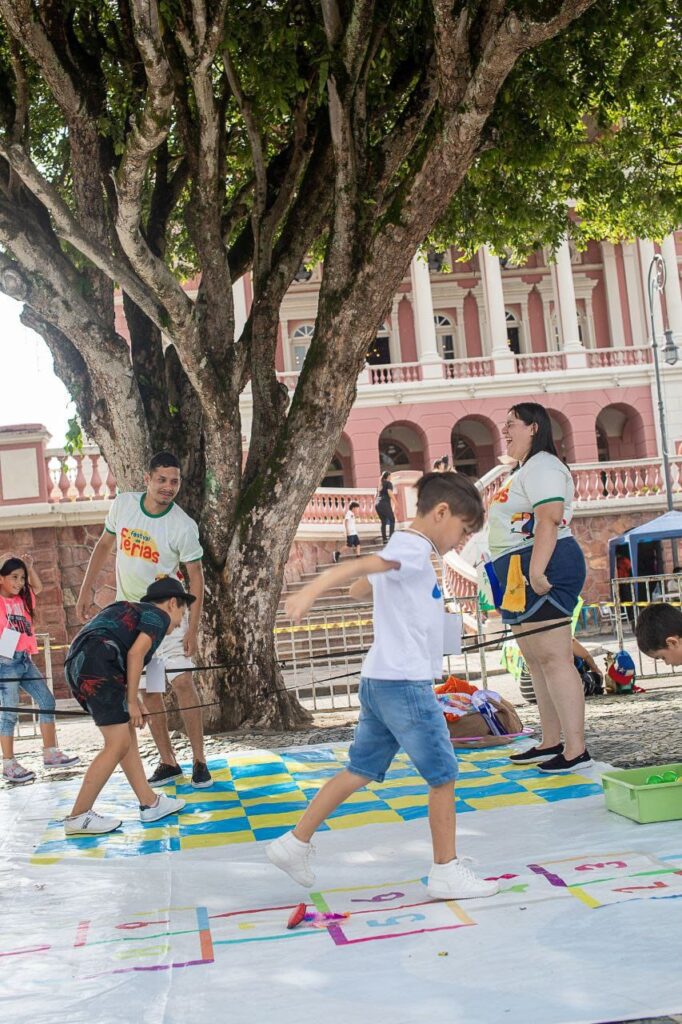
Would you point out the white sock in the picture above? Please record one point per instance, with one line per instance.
(298, 841)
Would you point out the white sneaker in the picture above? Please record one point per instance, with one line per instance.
(164, 806)
(455, 881)
(90, 824)
(291, 855)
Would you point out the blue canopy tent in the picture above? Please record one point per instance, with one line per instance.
(665, 527)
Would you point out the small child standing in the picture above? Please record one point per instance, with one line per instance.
(659, 633)
(350, 526)
(398, 707)
(103, 669)
(19, 583)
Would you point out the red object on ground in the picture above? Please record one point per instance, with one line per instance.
(454, 685)
(296, 916)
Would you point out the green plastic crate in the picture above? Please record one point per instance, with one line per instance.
(626, 793)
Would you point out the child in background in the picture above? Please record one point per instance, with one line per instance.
(659, 633)
(352, 539)
(103, 669)
(398, 706)
(19, 582)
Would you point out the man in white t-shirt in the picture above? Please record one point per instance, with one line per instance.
(152, 536)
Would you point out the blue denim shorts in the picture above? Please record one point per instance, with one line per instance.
(401, 713)
(566, 571)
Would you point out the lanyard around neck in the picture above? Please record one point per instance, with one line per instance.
(410, 529)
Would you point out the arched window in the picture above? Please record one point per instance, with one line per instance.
(463, 456)
(513, 332)
(392, 454)
(379, 353)
(334, 474)
(300, 343)
(445, 336)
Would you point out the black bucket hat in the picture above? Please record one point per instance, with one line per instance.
(161, 590)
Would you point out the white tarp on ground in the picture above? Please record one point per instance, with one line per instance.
(588, 927)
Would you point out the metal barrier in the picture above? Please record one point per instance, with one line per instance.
(30, 720)
(321, 657)
(629, 596)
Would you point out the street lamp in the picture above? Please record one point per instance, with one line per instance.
(656, 280)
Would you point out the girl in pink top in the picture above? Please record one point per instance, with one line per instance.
(18, 583)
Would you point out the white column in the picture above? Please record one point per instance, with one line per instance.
(239, 300)
(633, 285)
(286, 344)
(424, 327)
(568, 313)
(493, 298)
(613, 306)
(395, 340)
(646, 253)
(673, 294)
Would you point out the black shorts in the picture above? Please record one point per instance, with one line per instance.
(97, 682)
(353, 541)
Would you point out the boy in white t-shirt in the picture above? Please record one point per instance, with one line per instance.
(398, 706)
(152, 536)
(350, 526)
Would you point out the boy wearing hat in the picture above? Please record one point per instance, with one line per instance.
(103, 669)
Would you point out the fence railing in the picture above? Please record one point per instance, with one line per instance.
(607, 357)
(613, 481)
(85, 477)
(540, 362)
(394, 373)
(456, 369)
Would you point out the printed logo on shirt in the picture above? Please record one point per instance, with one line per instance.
(20, 624)
(436, 592)
(139, 544)
(502, 495)
(523, 523)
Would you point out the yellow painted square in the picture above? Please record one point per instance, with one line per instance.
(253, 757)
(395, 783)
(487, 803)
(474, 783)
(215, 839)
(554, 781)
(258, 781)
(420, 800)
(204, 795)
(295, 796)
(379, 817)
(362, 797)
(271, 820)
(199, 817)
(144, 835)
(43, 859)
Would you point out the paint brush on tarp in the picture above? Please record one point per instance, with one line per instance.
(314, 917)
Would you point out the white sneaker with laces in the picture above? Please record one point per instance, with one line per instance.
(455, 881)
(289, 854)
(90, 824)
(15, 773)
(164, 806)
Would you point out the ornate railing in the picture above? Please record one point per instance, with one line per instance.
(394, 373)
(606, 357)
(540, 362)
(85, 477)
(457, 369)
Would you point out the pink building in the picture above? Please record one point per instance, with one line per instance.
(465, 340)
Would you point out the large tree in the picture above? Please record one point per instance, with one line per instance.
(145, 144)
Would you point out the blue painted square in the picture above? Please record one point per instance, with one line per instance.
(248, 771)
(520, 773)
(212, 827)
(410, 813)
(274, 832)
(569, 792)
(389, 792)
(493, 789)
(264, 792)
(373, 805)
(278, 808)
(209, 805)
(461, 806)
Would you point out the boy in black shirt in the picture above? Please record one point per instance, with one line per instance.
(103, 669)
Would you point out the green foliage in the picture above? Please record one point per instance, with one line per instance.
(74, 440)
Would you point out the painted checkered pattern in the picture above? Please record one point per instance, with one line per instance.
(260, 794)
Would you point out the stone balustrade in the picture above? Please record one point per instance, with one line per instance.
(460, 369)
(394, 373)
(540, 362)
(84, 477)
(607, 357)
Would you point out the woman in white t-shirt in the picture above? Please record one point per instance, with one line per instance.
(538, 571)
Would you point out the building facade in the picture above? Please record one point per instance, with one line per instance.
(466, 339)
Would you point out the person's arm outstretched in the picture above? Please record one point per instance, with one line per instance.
(300, 603)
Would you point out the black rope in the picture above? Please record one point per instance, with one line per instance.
(31, 709)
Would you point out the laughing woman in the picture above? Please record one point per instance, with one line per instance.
(541, 570)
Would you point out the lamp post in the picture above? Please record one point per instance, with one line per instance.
(656, 281)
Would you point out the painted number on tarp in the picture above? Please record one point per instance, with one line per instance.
(391, 922)
(382, 897)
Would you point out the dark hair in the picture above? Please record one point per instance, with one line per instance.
(531, 413)
(385, 475)
(437, 463)
(655, 624)
(26, 594)
(163, 460)
(353, 504)
(462, 496)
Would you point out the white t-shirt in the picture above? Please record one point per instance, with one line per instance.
(349, 523)
(511, 515)
(408, 614)
(149, 547)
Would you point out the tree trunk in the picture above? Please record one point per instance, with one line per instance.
(238, 632)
